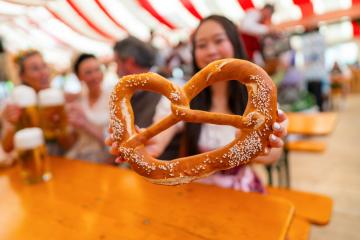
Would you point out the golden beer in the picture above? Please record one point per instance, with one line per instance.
(29, 118)
(31, 155)
(25, 98)
(53, 118)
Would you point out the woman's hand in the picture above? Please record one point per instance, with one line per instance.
(78, 119)
(12, 113)
(279, 127)
(109, 141)
(155, 146)
(274, 150)
(11, 116)
(76, 116)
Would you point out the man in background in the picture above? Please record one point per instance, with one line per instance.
(254, 26)
(134, 56)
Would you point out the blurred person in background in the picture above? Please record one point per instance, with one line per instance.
(4, 91)
(90, 113)
(179, 62)
(33, 72)
(314, 71)
(253, 27)
(134, 56)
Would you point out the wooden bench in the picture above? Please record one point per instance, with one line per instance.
(314, 208)
(306, 146)
(282, 166)
(299, 229)
(310, 208)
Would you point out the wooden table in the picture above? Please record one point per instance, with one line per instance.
(313, 124)
(91, 201)
(306, 124)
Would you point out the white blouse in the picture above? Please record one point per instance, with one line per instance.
(87, 147)
(211, 136)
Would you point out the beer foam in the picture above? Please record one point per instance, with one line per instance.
(28, 138)
(24, 96)
(51, 97)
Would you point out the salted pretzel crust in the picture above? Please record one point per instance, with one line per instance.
(255, 124)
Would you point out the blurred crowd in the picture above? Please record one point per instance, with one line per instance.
(80, 123)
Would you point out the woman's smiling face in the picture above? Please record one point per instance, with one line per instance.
(211, 43)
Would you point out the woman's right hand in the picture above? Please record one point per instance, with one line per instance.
(12, 113)
(76, 115)
(154, 146)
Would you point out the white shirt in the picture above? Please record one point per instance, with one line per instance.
(212, 136)
(251, 23)
(87, 147)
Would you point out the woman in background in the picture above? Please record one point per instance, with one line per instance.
(33, 72)
(90, 114)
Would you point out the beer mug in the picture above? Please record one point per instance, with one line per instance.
(25, 97)
(53, 119)
(31, 155)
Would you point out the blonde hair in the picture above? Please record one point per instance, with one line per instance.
(20, 58)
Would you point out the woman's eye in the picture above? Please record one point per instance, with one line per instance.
(219, 40)
(201, 45)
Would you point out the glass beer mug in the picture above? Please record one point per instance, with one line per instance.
(31, 155)
(25, 97)
(53, 119)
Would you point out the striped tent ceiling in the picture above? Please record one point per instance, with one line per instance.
(93, 25)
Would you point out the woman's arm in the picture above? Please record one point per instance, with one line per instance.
(157, 145)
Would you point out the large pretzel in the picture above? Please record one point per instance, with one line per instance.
(255, 124)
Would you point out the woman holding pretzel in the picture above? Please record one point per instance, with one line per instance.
(216, 38)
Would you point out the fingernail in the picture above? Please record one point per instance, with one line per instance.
(277, 126)
(280, 112)
(273, 137)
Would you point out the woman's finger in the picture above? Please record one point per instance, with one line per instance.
(108, 141)
(279, 130)
(114, 151)
(275, 142)
(281, 116)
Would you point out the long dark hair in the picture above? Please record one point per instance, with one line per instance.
(237, 98)
(81, 58)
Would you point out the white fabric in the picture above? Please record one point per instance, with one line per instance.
(211, 136)
(86, 147)
(98, 113)
(214, 136)
(251, 24)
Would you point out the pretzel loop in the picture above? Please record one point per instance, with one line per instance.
(255, 124)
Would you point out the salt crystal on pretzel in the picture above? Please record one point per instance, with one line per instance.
(255, 124)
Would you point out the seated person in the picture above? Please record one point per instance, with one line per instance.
(34, 73)
(89, 115)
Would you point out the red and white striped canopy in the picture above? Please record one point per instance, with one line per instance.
(93, 25)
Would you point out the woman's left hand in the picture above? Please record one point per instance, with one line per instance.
(274, 149)
(76, 116)
(279, 127)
